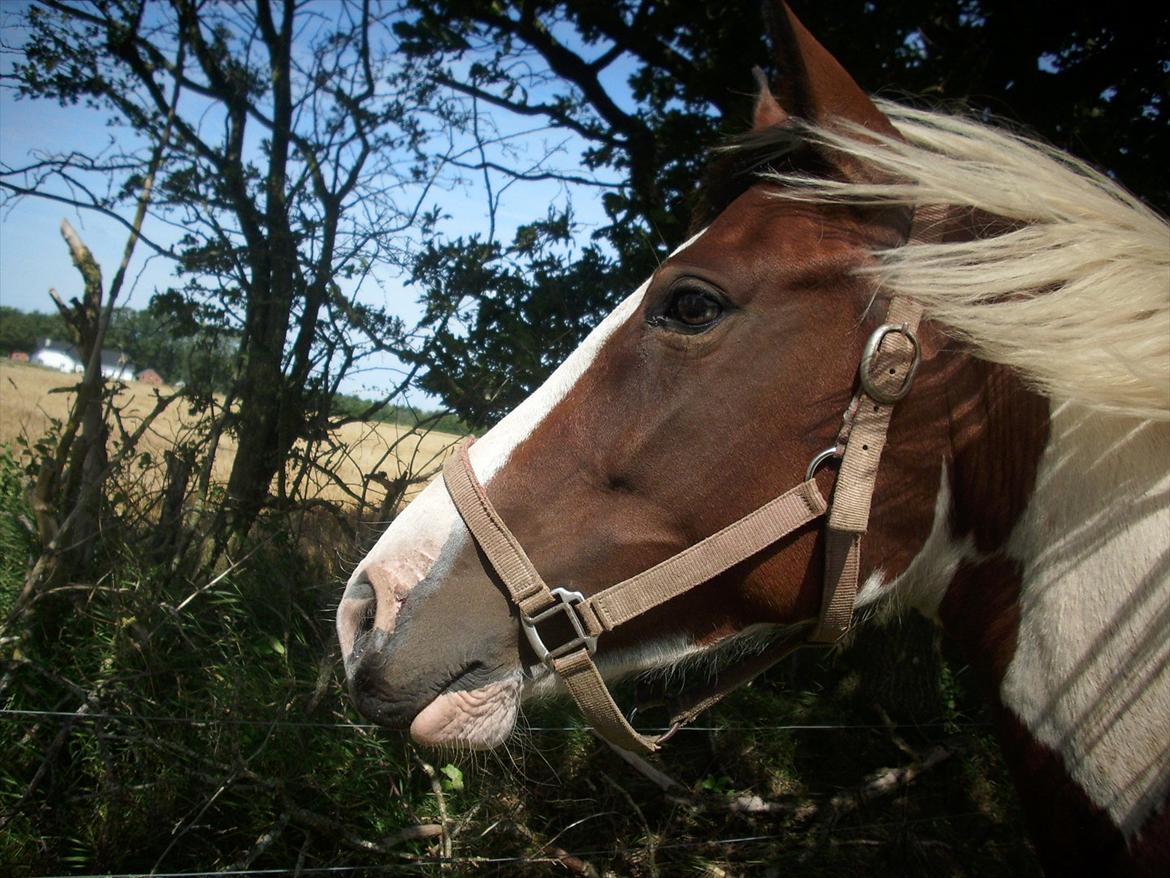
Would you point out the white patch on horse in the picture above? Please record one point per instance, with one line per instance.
(924, 582)
(1090, 678)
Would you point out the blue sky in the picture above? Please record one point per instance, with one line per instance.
(34, 258)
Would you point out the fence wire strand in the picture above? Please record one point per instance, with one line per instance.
(421, 862)
(17, 713)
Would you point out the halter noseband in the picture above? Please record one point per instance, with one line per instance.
(886, 372)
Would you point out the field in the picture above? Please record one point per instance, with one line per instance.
(32, 397)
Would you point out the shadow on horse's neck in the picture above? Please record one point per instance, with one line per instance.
(1048, 566)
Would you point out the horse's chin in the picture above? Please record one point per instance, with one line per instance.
(477, 719)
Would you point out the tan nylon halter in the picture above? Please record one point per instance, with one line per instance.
(886, 371)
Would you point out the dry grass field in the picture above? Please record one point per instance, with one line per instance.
(30, 396)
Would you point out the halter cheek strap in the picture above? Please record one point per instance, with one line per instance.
(886, 371)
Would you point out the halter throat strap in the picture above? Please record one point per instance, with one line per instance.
(886, 372)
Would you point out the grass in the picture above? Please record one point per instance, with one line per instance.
(17, 539)
(565, 785)
(134, 793)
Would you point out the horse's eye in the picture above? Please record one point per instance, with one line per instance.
(694, 309)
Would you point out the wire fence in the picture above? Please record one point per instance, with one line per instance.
(412, 863)
(418, 862)
(16, 714)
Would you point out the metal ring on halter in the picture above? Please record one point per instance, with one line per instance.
(869, 383)
(828, 454)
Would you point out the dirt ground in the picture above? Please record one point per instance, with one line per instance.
(32, 397)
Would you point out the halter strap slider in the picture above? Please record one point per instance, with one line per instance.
(566, 604)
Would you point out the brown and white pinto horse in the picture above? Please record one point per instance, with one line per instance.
(1022, 501)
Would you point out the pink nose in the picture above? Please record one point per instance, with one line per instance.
(375, 595)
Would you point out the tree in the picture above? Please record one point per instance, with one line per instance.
(530, 309)
(648, 86)
(295, 170)
(21, 331)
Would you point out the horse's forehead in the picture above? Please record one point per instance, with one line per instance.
(763, 229)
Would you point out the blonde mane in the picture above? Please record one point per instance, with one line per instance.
(1076, 297)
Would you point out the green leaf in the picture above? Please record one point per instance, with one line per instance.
(454, 778)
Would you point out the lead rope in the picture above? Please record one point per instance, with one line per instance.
(886, 372)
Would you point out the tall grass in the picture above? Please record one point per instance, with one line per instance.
(190, 718)
(17, 536)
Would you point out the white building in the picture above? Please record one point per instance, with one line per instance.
(65, 358)
(55, 355)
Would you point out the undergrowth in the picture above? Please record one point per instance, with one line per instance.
(17, 540)
(199, 726)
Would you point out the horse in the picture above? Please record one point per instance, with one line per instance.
(1009, 479)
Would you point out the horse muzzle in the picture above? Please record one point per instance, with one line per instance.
(430, 644)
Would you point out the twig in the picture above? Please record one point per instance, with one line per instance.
(879, 785)
(801, 809)
(465, 820)
(882, 783)
(437, 789)
(651, 837)
(263, 842)
(324, 677)
(46, 763)
(888, 780)
(892, 728)
(574, 864)
(235, 565)
(334, 829)
(300, 863)
(184, 826)
(571, 862)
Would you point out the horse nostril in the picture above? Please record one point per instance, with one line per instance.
(366, 619)
(355, 616)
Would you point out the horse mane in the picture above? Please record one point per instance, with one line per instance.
(1069, 283)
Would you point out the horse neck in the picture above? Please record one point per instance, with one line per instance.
(1049, 566)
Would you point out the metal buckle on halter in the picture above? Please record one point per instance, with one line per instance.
(869, 383)
(566, 601)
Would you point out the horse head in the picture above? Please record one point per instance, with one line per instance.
(704, 394)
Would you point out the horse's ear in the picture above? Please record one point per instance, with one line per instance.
(813, 85)
(768, 111)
